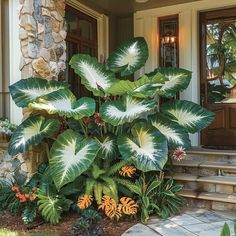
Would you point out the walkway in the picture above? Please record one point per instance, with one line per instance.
(191, 222)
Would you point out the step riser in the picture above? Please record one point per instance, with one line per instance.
(207, 187)
(200, 171)
(211, 157)
(211, 205)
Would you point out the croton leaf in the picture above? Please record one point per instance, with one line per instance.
(177, 79)
(126, 109)
(64, 103)
(26, 91)
(93, 74)
(71, 155)
(147, 147)
(107, 147)
(129, 57)
(143, 87)
(31, 132)
(175, 134)
(191, 116)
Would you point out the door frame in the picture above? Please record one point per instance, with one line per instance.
(102, 26)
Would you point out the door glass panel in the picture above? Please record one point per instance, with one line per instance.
(221, 61)
(86, 29)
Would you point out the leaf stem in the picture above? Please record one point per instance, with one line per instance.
(82, 126)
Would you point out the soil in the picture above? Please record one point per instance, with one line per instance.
(14, 222)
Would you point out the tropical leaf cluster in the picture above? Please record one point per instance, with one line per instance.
(115, 210)
(123, 124)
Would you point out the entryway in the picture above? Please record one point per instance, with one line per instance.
(218, 75)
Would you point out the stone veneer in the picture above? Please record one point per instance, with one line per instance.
(42, 37)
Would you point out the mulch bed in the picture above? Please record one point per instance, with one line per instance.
(15, 223)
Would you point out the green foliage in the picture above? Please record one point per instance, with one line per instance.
(90, 139)
(51, 206)
(167, 199)
(226, 230)
(88, 224)
(7, 232)
(29, 215)
(6, 127)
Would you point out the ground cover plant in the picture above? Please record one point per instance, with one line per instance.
(104, 150)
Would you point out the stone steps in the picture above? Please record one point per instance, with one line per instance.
(208, 177)
(219, 197)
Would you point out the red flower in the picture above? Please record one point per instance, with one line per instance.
(15, 189)
(179, 153)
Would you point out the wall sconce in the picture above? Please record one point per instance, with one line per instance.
(168, 27)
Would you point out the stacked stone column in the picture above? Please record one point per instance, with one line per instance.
(42, 38)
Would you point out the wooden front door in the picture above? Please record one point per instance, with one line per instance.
(218, 75)
(81, 38)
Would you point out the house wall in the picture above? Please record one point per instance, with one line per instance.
(146, 25)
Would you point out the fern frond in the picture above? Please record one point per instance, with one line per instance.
(96, 171)
(98, 192)
(89, 186)
(112, 186)
(128, 184)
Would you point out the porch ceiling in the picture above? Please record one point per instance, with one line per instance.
(124, 7)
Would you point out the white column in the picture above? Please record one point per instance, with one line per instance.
(14, 56)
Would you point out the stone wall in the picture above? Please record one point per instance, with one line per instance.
(42, 37)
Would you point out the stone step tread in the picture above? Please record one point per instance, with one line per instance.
(220, 197)
(230, 180)
(200, 150)
(206, 164)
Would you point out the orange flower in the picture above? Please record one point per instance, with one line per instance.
(127, 171)
(32, 197)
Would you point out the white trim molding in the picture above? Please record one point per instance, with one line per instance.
(102, 26)
(16, 113)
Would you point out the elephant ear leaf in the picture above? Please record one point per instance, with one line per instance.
(28, 90)
(126, 109)
(191, 116)
(64, 103)
(129, 57)
(107, 147)
(177, 80)
(31, 132)
(70, 156)
(146, 147)
(175, 134)
(93, 74)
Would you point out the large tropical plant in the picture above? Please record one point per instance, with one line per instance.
(123, 121)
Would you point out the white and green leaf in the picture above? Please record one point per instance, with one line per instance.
(107, 147)
(146, 147)
(129, 57)
(31, 132)
(177, 80)
(175, 134)
(143, 87)
(93, 74)
(26, 91)
(126, 109)
(191, 116)
(70, 156)
(64, 103)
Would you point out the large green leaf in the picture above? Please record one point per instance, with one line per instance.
(125, 109)
(64, 103)
(177, 79)
(107, 147)
(191, 116)
(26, 91)
(146, 147)
(70, 156)
(31, 132)
(129, 57)
(93, 74)
(143, 87)
(176, 135)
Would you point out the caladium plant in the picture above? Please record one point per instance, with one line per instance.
(124, 119)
